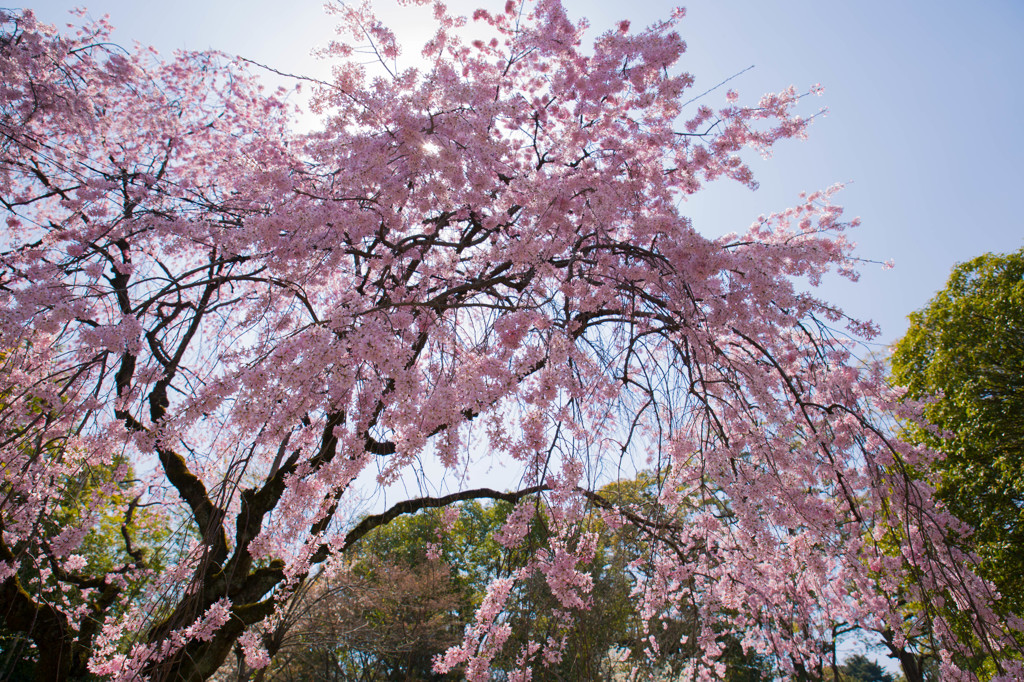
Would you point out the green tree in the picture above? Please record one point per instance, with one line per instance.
(95, 499)
(101, 501)
(860, 668)
(410, 589)
(966, 348)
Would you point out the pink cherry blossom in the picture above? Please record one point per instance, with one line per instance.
(483, 259)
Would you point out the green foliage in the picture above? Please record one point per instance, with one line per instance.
(104, 493)
(414, 584)
(96, 497)
(860, 668)
(609, 622)
(967, 347)
(467, 548)
(395, 607)
(385, 625)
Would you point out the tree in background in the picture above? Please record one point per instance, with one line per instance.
(480, 258)
(403, 596)
(860, 668)
(412, 586)
(119, 532)
(963, 355)
(120, 529)
(966, 349)
(379, 622)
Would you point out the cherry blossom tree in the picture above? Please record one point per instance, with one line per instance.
(479, 259)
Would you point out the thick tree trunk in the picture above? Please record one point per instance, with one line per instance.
(909, 661)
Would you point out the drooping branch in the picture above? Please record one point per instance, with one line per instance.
(420, 503)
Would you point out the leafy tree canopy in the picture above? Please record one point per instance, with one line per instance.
(964, 355)
(860, 668)
(389, 613)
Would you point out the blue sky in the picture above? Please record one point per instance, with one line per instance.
(923, 102)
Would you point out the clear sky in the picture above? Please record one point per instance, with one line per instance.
(924, 99)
